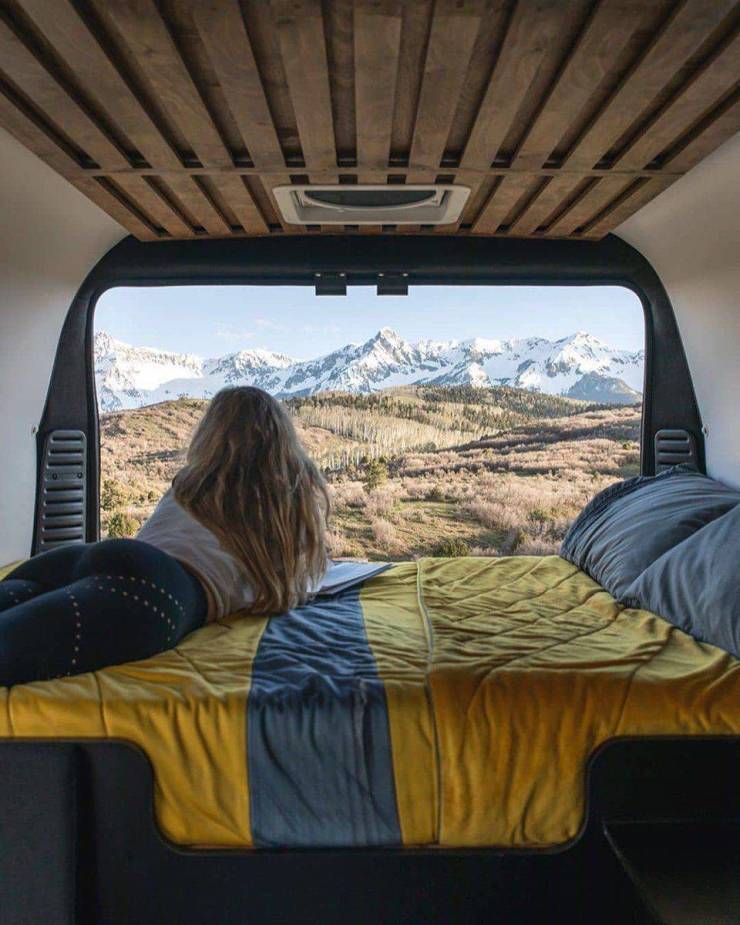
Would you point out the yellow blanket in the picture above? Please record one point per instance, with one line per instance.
(497, 677)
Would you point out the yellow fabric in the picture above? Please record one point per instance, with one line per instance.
(7, 569)
(502, 676)
(397, 633)
(534, 666)
(185, 708)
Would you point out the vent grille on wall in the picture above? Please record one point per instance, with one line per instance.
(63, 490)
(367, 204)
(674, 447)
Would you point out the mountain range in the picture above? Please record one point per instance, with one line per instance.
(579, 366)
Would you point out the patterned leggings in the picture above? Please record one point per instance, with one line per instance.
(79, 608)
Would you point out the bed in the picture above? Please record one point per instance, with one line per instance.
(447, 703)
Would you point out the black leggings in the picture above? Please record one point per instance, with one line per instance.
(80, 608)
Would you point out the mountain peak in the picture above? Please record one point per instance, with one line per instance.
(583, 337)
(264, 356)
(104, 344)
(389, 336)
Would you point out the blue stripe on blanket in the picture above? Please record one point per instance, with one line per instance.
(318, 741)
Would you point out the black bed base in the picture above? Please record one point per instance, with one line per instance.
(79, 844)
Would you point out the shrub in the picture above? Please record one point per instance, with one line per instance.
(341, 547)
(513, 539)
(451, 548)
(375, 474)
(112, 495)
(435, 494)
(380, 502)
(348, 495)
(483, 552)
(494, 514)
(122, 524)
(539, 516)
(536, 547)
(384, 534)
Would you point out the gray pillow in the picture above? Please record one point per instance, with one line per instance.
(631, 524)
(696, 585)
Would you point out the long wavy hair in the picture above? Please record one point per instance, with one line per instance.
(250, 482)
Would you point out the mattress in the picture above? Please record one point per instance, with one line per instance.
(450, 702)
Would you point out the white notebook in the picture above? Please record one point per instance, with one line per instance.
(343, 575)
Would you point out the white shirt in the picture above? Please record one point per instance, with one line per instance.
(175, 531)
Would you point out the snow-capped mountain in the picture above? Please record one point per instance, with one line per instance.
(580, 366)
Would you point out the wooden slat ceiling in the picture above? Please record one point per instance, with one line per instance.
(179, 117)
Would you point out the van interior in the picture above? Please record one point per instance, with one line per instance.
(485, 253)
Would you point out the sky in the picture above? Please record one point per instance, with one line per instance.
(210, 321)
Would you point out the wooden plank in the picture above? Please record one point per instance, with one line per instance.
(377, 42)
(544, 204)
(221, 27)
(503, 199)
(455, 25)
(117, 209)
(300, 30)
(141, 28)
(69, 35)
(197, 204)
(596, 198)
(593, 58)
(643, 193)
(377, 46)
(40, 142)
(151, 203)
(529, 36)
(490, 173)
(725, 126)
(452, 34)
(235, 192)
(531, 31)
(53, 101)
(415, 24)
(690, 26)
(592, 61)
(338, 31)
(692, 102)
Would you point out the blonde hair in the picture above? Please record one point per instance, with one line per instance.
(250, 482)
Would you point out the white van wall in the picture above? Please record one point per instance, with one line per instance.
(50, 237)
(691, 235)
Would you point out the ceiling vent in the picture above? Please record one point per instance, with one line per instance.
(400, 204)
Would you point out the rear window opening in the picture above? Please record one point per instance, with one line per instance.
(458, 420)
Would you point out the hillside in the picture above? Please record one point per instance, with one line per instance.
(412, 471)
(579, 366)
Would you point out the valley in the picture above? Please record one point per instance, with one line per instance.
(424, 470)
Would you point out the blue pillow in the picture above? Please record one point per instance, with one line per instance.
(696, 585)
(630, 525)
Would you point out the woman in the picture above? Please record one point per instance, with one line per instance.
(243, 527)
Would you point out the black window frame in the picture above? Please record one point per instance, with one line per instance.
(669, 401)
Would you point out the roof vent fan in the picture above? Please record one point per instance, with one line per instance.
(359, 204)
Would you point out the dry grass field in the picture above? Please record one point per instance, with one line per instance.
(412, 472)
